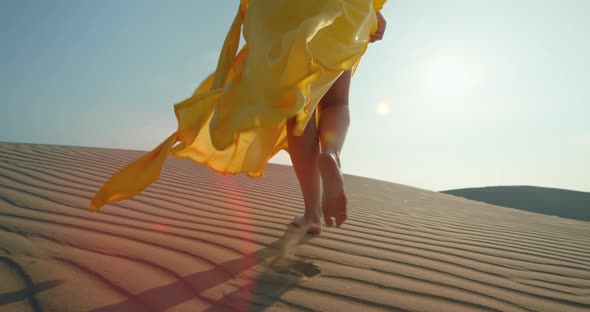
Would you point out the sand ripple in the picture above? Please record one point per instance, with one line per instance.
(197, 240)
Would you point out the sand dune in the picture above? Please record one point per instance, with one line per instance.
(197, 240)
(548, 201)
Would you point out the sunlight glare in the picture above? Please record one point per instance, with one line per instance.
(448, 76)
(384, 108)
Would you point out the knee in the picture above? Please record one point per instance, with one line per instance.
(328, 102)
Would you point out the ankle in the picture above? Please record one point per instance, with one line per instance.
(312, 217)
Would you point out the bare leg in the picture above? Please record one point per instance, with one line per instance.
(333, 126)
(304, 151)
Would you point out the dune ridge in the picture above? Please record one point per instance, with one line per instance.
(548, 201)
(198, 240)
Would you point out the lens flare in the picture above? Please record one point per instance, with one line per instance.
(384, 108)
(159, 228)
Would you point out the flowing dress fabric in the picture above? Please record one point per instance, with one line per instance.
(236, 119)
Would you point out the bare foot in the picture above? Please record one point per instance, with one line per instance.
(312, 227)
(333, 197)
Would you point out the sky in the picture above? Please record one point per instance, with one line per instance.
(460, 93)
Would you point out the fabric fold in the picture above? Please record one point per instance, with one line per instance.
(235, 120)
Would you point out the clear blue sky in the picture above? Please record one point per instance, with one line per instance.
(461, 93)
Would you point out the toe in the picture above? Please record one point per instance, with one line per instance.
(328, 220)
(340, 219)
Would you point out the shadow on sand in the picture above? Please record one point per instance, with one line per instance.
(282, 272)
(30, 290)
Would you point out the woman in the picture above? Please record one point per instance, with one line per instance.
(310, 164)
(263, 100)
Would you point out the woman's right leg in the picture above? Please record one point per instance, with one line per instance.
(333, 126)
(304, 151)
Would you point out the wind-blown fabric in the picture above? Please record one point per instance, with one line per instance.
(236, 119)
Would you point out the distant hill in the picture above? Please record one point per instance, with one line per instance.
(548, 201)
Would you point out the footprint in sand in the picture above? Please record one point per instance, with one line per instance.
(294, 267)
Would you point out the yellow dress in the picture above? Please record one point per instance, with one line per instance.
(235, 120)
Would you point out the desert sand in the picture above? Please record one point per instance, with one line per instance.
(197, 240)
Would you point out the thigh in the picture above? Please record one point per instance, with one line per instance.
(338, 92)
(309, 133)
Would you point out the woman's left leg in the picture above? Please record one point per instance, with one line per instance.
(304, 151)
